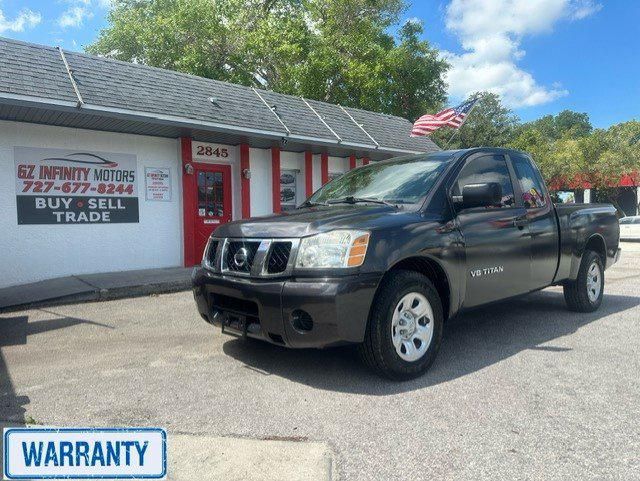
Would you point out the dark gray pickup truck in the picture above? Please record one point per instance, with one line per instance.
(384, 255)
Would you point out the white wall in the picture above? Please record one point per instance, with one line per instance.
(338, 164)
(260, 165)
(317, 172)
(35, 252)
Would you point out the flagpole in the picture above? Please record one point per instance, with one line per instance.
(463, 122)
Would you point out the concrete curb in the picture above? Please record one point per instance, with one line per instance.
(98, 295)
(94, 287)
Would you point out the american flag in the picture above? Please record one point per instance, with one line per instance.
(452, 117)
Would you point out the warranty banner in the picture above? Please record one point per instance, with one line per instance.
(55, 186)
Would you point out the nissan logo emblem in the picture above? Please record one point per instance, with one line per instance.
(240, 257)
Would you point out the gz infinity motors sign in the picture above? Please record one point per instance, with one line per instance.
(55, 186)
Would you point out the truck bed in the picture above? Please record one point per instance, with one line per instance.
(577, 223)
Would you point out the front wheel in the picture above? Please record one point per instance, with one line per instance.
(585, 293)
(405, 327)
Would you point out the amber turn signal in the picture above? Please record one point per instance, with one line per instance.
(358, 251)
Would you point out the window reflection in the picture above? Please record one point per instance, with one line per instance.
(211, 194)
(486, 169)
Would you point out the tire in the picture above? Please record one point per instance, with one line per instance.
(580, 295)
(378, 350)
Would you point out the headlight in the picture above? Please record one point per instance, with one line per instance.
(338, 248)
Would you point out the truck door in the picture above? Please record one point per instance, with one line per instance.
(496, 238)
(543, 229)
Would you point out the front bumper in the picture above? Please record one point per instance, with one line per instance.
(338, 307)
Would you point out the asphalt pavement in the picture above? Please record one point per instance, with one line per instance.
(523, 390)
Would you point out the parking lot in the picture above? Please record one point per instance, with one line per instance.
(520, 390)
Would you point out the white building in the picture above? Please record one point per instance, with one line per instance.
(109, 166)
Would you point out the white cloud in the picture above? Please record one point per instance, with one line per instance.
(25, 19)
(75, 15)
(491, 32)
(583, 8)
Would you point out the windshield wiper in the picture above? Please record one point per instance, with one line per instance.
(309, 203)
(356, 200)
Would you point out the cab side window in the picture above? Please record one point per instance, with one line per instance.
(530, 182)
(488, 168)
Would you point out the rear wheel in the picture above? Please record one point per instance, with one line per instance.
(405, 327)
(585, 293)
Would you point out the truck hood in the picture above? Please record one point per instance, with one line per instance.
(312, 220)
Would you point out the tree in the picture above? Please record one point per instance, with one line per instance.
(567, 124)
(624, 139)
(415, 70)
(490, 124)
(572, 124)
(337, 51)
(599, 158)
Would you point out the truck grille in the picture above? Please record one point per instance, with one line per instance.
(279, 257)
(251, 257)
(240, 255)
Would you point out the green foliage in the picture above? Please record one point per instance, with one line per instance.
(490, 124)
(338, 51)
(566, 124)
(574, 155)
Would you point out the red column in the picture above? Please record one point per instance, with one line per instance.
(189, 201)
(275, 178)
(308, 173)
(324, 167)
(365, 160)
(245, 184)
(352, 162)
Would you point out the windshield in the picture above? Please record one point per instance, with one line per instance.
(405, 180)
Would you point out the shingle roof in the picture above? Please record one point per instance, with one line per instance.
(38, 71)
(33, 70)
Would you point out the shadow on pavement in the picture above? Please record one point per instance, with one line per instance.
(14, 332)
(472, 341)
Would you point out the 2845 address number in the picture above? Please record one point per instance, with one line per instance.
(208, 151)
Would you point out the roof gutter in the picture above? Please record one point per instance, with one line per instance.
(162, 119)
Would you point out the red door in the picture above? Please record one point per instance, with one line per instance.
(213, 205)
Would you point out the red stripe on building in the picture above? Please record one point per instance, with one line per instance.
(245, 184)
(352, 162)
(308, 173)
(275, 179)
(365, 161)
(324, 167)
(581, 181)
(630, 180)
(188, 204)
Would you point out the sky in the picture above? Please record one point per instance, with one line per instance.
(541, 56)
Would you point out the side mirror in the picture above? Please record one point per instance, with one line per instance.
(481, 195)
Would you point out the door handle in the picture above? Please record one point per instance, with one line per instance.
(520, 222)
